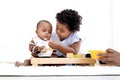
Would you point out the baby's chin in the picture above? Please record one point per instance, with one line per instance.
(45, 39)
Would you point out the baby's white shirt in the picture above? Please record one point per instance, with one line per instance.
(40, 42)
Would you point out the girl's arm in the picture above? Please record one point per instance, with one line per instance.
(74, 48)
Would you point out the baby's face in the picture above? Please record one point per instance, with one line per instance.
(62, 31)
(44, 31)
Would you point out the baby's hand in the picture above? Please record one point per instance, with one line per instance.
(39, 49)
(46, 49)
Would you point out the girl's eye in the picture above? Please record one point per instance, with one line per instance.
(61, 31)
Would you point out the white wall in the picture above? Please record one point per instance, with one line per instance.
(18, 19)
(116, 24)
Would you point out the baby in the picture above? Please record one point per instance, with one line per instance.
(39, 45)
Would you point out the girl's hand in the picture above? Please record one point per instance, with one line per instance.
(112, 57)
(53, 44)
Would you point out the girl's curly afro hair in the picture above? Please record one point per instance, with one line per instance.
(71, 18)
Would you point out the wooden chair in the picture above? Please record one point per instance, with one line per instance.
(68, 60)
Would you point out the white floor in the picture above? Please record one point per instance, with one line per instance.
(10, 72)
(64, 78)
(10, 69)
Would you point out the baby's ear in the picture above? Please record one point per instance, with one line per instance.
(36, 31)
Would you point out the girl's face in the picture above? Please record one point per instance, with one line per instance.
(62, 31)
(44, 31)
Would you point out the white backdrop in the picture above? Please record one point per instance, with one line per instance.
(116, 24)
(18, 19)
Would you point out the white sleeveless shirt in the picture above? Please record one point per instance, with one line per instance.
(67, 42)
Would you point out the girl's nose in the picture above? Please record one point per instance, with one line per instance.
(58, 32)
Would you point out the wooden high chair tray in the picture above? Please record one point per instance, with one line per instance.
(68, 60)
(44, 56)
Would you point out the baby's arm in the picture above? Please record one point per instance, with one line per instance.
(31, 45)
(35, 49)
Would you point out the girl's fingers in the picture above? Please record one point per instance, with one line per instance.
(106, 60)
(111, 51)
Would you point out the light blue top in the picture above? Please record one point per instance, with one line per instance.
(67, 42)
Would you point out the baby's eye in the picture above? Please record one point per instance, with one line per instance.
(50, 32)
(44, 30)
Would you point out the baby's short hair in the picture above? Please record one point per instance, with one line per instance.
(43, 21)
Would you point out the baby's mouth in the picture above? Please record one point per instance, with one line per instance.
(46, 38)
